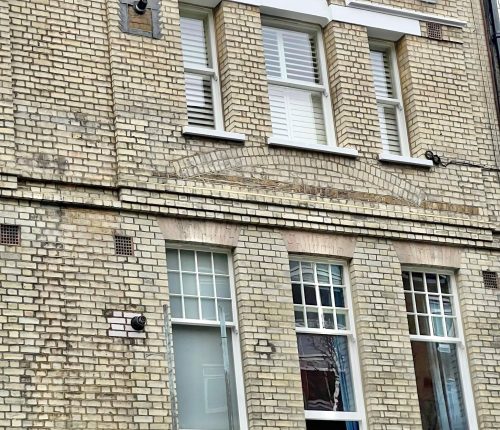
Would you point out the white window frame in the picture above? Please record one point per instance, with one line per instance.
(206, 15)
(321, 88)
(358, 416)
(397, 101)
(233, 325)
(459, 341)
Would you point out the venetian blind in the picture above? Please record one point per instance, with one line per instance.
(199, 92)
(387, 101)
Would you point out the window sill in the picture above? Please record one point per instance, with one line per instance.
(214, 134)
(401, 159)
(346, 152)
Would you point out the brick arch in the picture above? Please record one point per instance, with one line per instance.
(238, 158)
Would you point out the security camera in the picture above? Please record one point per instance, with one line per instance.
(140, 6)
(138, 322)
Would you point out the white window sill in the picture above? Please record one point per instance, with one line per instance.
(214, 134)
(401, 159)
(346, 152)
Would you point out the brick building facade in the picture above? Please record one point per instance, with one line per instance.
(143, 175)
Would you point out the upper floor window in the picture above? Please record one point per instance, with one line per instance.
(331, 382)
(298, 91)
(200, 66)
(389, 99)
(205, 340)
(441, 372)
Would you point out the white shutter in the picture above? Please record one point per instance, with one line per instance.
(272, 52)
(389, 129)
(200, 100)
(388, 102)
(382, 74)
(199, 86)
(194, 43)
(297, 115)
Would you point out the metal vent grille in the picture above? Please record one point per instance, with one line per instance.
(490, 280)
(124, 245)
(9, 234)
(434, 31)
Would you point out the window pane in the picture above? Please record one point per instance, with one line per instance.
(189, 284)
(176, 306)
(329, 319)
(221, 264)
(389, 129)
(421, 302)
(331, 425)
(297, 294)
(299, 316)
(187, 261)
(194, 46)
(223, 287)
(206, 285)
(323, 273)
(227, 308)
(406, 281)
(337, 278)
(208, 309)
(431, 280)
(409, 302)
(204, 262)
(423, 326)
(307, 272)
(437, 326)
(191, 308)
(312, 318)
(418, 281)
(174, 283)
(326, 296)
(199, 100)
(411, 324)
(339, 297)
(199, 372)
(172, 259)
(310, 294)
(326, 373)
(444, 282)
(342, 321)
(271, 52)
(382, 77)
(300, 56)
(439, 386)
(295, 271)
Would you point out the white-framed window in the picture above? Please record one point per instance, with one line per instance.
(443, 382)
(389, 98)
(205, 340)
(301, 112)
(330, 372)
(201, 70)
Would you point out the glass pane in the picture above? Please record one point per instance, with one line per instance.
(409, 302)
(189, 284)
(174, 283)
(439, 386)
(295, 271)
(187, 261)
(326, 296)
(447, 306)
(450, 327)
(223, 287)
(418, 281)
(204, 262)
(431, 279)
(326, 373)
(200, 384)
(382, 78)
(206, 285)
(307, 272)
(312, 318)
(421, 302)
(323, 273)
(437, 326)
(444, 282)
(331, 425)
(191, 308)
(208, 309)
(310, 294)
(339, 297)
(412, 324)
(423, 325)
(299, 316)
(297, 294)
(329, 319)
(199, 100)
(172, 259)
(389, 128)
(194, 48)
(300, 56)
(342, 321)
(434, 304)
(406, 281)
(337, 278)
(227, 308)
(176, 306)
(220, 264)
(271, 51)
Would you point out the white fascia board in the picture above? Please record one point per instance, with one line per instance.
(379, 25)
(405, 13)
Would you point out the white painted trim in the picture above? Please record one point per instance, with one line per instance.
(382, 25)
(405, 13)
(213, 134)
(401, 159)
(346, 152)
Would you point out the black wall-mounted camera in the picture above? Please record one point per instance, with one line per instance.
(138, 322)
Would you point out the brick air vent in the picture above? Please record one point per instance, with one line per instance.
(124, 245)
(490, 280)
(434, 31)
(9, 234)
